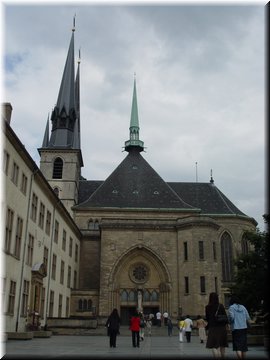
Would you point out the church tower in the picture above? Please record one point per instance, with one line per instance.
(60, 155)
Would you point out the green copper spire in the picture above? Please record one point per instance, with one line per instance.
(134, 141)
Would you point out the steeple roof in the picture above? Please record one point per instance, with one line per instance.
(66, 96)
(134, 129)
(65, 118)
(135, 184)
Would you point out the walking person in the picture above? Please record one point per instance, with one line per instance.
(142, 326)
(113, 326)
(201, 324)
(181, 328)
(165, 317)
(148, 325)
(217, 331)
(135, 329)
(170, 326)
(158, 317)
(238, 320)
(188, 328)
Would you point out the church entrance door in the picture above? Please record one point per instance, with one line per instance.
(125, 314)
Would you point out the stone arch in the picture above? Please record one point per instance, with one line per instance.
(155, 280)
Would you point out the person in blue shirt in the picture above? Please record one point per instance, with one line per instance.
(238, 319)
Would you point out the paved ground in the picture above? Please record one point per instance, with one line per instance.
(97, 347)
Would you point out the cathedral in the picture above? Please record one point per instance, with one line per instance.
(141, 242)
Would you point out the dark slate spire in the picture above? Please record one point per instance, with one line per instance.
(134, 141)
(77, 102)
(46, 135)
(65, 112)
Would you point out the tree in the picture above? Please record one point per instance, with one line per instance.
(251, 276)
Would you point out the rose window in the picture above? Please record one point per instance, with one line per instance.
(139, 273)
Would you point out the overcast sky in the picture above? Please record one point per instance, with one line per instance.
(200, 87)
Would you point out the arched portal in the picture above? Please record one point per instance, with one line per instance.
(140, 280)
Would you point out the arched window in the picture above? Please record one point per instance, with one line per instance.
(226, 257)
(89, 304)
(146, 295)
(244, 245)
(124, 295)
(80, 304)
(84, 304)
(56, 191)
(91, 224)
(131, 296)
(154, 296)
(96, 225)
(58, 168)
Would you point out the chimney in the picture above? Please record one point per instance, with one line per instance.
(6, 112)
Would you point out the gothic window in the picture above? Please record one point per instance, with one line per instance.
(226, 257)
(91, 224)
(58, 168)
(132, 296)
(124, 295)
(244, 245)
(154, 296)
(80, 304)
(96, 225)
(146, 295)
(84, 304)
(89, 304)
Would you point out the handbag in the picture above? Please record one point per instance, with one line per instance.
(221, 318)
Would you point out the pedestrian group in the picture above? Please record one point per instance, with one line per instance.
(212, 327)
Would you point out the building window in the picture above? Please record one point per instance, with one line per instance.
(6, 162)
(69, 277)
(56, 191)
(62, 270)
(124, 295)
(201, 250)
(34, 207)
(64, 240)
(48, 222)
(45, 257)
(202, 284)
(214, 251)
(76, 252)
(51, 303)
(53, 266)
(154, 296)
(56, 231)
(244, 245)
(146, 295)
(11, 298)
(67, 307)
(30, 250)
(70, 246)
(75, 280)
(226, 257)
(186, 285)
(9, 227)
(18, 238)
(41, 215)
(25, 297)
(185, 251)
(42, 303)
(15, 174)
(60, 301)
(58, 168)
(24, 184)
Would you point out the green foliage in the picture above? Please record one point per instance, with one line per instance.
(251, 277)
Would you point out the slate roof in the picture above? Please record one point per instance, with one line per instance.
(133, 184)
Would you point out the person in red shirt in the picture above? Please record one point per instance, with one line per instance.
(135, 329)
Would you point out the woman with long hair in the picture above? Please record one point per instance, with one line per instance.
(113, 325)
(217, 339)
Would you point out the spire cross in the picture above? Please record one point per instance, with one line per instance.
(73, 29)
